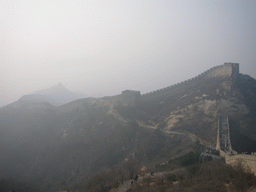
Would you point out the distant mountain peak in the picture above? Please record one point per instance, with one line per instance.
(55, 90)
(60, 85)
(56, 95)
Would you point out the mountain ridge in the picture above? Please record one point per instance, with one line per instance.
(56, 95)
(66, 143)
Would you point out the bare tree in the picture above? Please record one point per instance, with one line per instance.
(131, 168)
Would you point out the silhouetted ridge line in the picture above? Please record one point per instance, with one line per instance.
(228, 70)
(227, 73)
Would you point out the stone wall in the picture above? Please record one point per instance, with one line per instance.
(218, 136)
(247, 161)
(130, 97)
(228, 70)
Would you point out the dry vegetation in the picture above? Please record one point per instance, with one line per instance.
(81, 147)
(211, 176)
(190, 175)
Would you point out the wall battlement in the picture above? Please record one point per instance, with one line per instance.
(130, 97)
(228, 70)
(247, 161)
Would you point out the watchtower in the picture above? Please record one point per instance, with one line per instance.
(235, 69)
(130, 97)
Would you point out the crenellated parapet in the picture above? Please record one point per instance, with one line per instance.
(228, 70)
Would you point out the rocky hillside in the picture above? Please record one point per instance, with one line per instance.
(55, 145)
(197, 110)
(60, 146)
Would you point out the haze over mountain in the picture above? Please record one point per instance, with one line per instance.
(96, 46)
(58, 147)
(57, 95)
(157, 70)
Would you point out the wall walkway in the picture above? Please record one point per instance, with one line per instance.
(224, 146)
(228, 70)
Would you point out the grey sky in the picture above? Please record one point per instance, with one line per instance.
(105, 47)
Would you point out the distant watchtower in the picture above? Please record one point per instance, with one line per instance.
(130, 97)
(235, 69)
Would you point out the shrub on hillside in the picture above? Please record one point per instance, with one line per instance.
(188, 159)
(211, 176)
(171, 178)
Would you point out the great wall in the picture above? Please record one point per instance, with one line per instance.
(227, 71)
(248, 161)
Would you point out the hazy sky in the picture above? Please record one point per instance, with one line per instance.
(106, 46)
